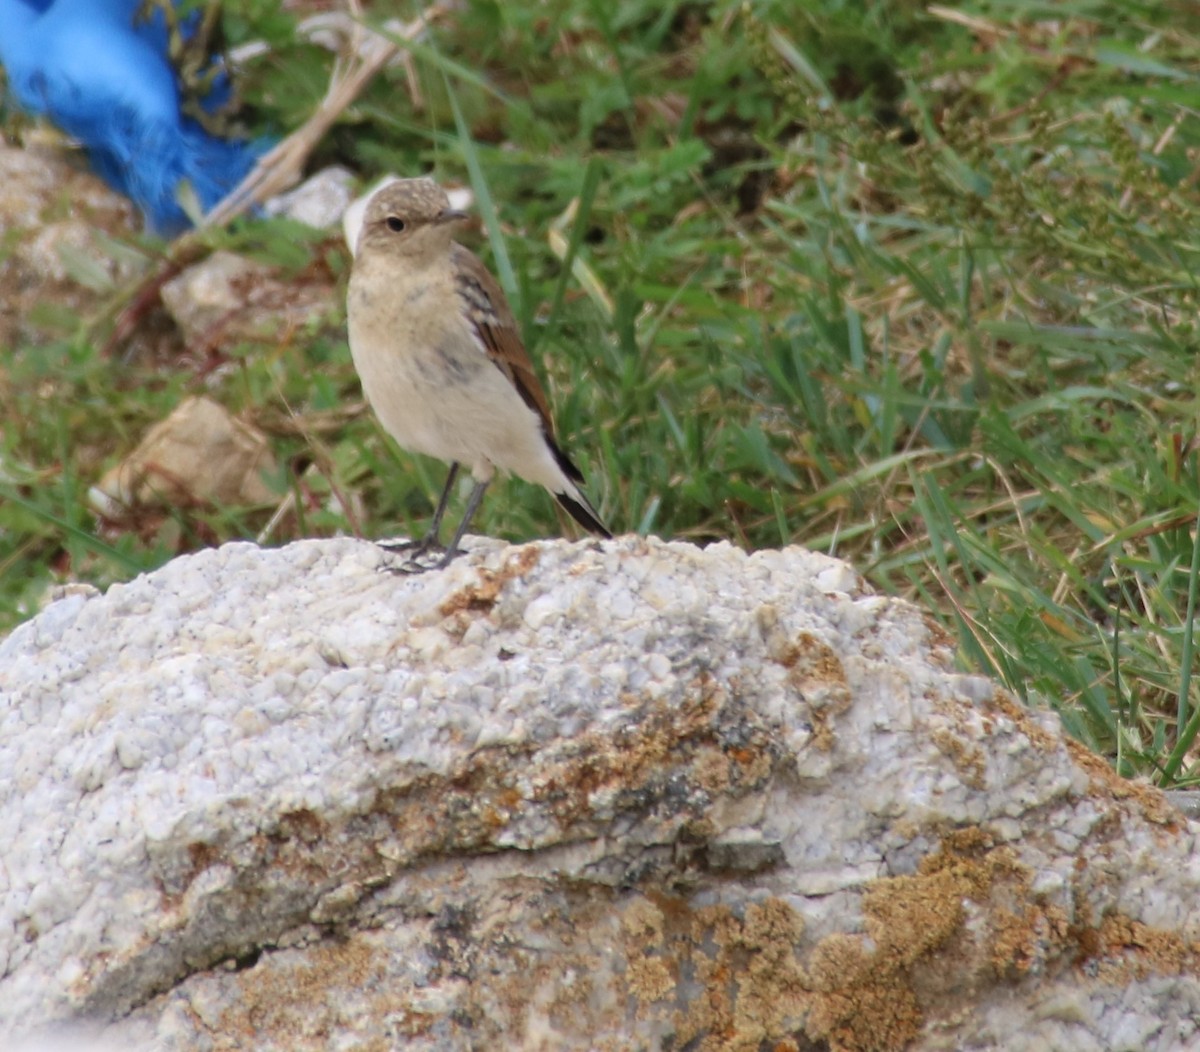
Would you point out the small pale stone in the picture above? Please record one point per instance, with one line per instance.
(543, 610)
(319, 201)
(839, 577)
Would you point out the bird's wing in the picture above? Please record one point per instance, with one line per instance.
(497, 331)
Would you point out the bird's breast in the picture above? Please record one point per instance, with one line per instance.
(418, 362)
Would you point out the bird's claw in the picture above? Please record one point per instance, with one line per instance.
(416, 548)
(415, 551)
(409, 567)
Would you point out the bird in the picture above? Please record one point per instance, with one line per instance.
(104, 76)
(441, 361)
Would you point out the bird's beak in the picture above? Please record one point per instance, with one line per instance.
(452, 215)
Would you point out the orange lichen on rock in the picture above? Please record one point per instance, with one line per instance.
(648, 973)
(1128, 949)
(814, 672)
(753, 984)
(269, 1002)
(481, 596)
(1103, 781)
(1007, 705)
(1025, 939)
(865, 989)
(856, 1005)
(968, 759)
(742, 986)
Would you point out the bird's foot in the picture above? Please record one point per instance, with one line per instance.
(448, 556)
(415, 553)
(409, 567)
(415, 549)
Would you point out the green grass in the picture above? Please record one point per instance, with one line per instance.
(914, 286)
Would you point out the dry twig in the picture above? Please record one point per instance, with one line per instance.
(368, 52)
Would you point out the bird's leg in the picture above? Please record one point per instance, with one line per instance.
(430, 540)
(472, 506)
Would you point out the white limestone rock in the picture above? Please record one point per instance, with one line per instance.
(561, 796)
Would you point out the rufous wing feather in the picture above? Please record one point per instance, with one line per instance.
(497, 330)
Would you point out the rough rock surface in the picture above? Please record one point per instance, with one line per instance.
(629, 795)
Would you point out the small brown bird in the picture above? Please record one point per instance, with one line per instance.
(440, 359)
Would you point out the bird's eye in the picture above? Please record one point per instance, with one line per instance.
(395, 224)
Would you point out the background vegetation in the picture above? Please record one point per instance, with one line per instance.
(911, 284)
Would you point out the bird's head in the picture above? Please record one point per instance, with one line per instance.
(409, 219)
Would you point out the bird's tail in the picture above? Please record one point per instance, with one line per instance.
(571, 497)
(580, 509)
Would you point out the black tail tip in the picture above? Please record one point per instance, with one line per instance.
(583, 515)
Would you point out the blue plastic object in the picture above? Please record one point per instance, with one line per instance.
(105, 79)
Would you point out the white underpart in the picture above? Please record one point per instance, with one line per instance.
(448, 399)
